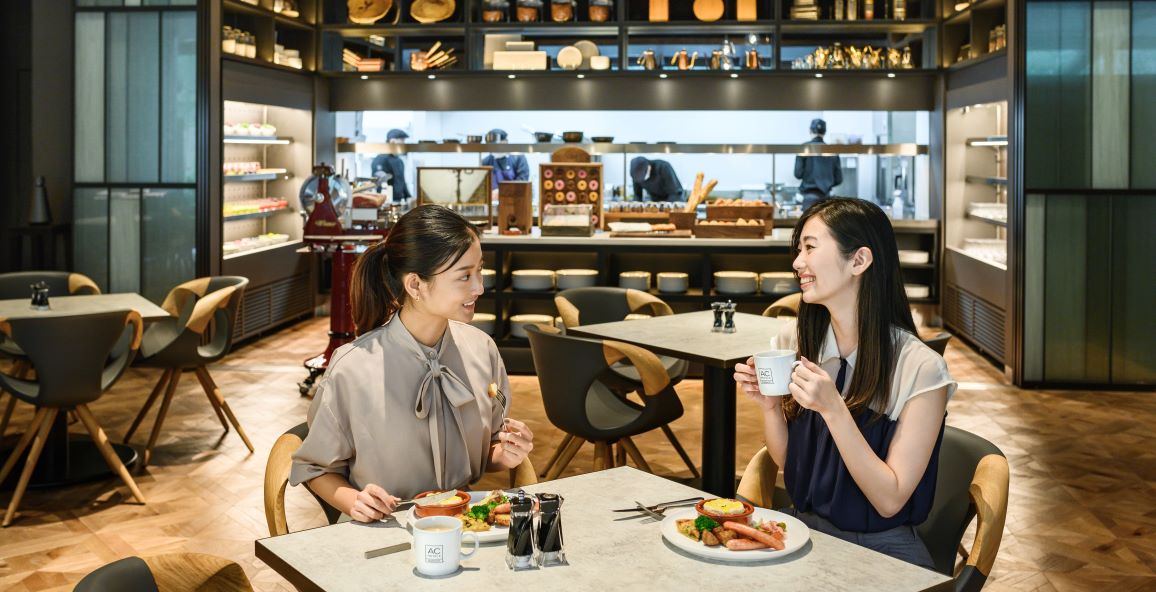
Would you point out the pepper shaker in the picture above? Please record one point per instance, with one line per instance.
(40, 296)
(520, 540)
(717, 307)
(729, 309)
(549, 535)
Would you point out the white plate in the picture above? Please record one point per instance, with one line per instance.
(797, 535)
(493, 535)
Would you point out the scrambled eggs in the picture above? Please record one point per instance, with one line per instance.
(450, 501)
(725, 507)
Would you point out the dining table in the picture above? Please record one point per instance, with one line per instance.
(74, 458)
(604, 550)
(690, 336)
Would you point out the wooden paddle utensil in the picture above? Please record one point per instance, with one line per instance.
(708, 10)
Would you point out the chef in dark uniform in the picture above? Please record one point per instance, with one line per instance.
(389, 169)
(817, 174)
(507, 167)
(657, 178)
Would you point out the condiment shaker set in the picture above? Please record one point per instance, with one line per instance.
(535, 538)
(723, 310)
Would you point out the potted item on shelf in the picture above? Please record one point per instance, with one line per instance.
(562, 11)
(600, 10)
(286, 8)
(495, 11)
(431, 11)
(528, 11)
(367, 12)
(229, 40)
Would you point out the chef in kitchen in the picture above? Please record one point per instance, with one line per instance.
(507, 167)
(817, 174)
(656, 178)
(389, 169)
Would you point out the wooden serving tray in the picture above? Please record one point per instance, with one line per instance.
(765, 213)
(652, 217)
(729, 231)
(653, 234)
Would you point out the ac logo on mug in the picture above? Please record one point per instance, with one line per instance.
(435, 554)
(770, 363)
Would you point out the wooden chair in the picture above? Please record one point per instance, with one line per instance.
(73, 356)
(972, 483)
(173, 572)
(199, 332)
(787, 306)
(281, 462)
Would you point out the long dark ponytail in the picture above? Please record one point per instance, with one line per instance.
(423, 241)
(883, 306)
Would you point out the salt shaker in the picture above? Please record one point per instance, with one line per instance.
(40, 296)
(549, 535)
(729, 309)
(718, 320)
(520, 540)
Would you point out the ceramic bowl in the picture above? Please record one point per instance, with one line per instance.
(917, 290)
(484, 321)
(599, 62)
(489, 276)
(736, 282)
(533, 279)
(576, 278)
(442, 509)
(914, 256)
(637, 280)
(741, 517)
(778, 282)
(518, 323)
(673, 282)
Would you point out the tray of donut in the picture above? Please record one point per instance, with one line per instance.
(572, 183)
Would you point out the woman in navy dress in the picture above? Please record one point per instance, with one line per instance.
(858, 437)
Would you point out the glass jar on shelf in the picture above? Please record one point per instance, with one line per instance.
(528, 11)
(495, 11)
(228, 40)
(600, 10)
(562, 11)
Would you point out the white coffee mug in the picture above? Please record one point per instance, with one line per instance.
(773, 369)
(437, 545)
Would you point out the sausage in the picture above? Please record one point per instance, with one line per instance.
(744, 545)
(755, 534)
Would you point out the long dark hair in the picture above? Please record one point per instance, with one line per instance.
(855, 223)
(423, 241)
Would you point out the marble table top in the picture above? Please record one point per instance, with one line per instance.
(603, 554)
(92, 303)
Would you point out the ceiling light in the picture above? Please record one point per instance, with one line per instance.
(818, 74)
(662, 75)
(734, 75)
(581, 76)
(511, 76)
(364, 77)
(891, 75)
(433, 77)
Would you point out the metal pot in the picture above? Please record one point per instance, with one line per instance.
(473, 139)
(571, 136)
(492, 138)
(543, 137)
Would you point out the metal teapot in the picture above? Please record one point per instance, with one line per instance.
(647, 60)
(683, 61)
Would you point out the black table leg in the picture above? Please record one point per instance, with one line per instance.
(68, 459)
(718, 431)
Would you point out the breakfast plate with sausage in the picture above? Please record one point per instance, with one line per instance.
(484, 513)
(733, 530)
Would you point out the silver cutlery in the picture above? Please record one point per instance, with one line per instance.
(657, 507)
(649, 512)
(387, 550)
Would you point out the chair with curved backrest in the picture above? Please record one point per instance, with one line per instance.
(71, 356)
(939, 342)
(972, 483)
(17, 285)
(589, 306)
(173, 572)
(578, 402)
(280, 463)
(787, 306)
(199, 332)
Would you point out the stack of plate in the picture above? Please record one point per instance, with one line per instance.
(484, 321)
(914, 256)
(576, 278)
(488, 278)
(736, 282)
(637, 280)
(533, 279)
(518, 323)
(778, 282)
(917, 290)
(673, 282)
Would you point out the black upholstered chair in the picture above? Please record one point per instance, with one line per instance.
(173, 572)
(17, 285)
(74, 367)
(939, 342)
(579, 403)
(972, 484)
(199, 332)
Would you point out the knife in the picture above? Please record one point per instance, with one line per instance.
(676, 503)
(428, 500)
(649, 512)
(387, 550)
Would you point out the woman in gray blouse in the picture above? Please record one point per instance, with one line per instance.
(420, 399)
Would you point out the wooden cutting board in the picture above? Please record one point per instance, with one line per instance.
(747, 10)
(659, 11)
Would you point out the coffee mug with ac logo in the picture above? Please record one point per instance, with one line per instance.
(437, 545)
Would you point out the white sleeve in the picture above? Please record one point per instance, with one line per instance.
(919, 370)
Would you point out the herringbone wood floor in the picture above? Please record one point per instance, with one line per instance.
(1082, 513)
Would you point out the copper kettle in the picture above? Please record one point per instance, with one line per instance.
(683, 61)
(752, 59)
(647, 60)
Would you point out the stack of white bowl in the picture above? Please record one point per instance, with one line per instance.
(489, 276)
(736, 282)
(636, 280)
(533, 279)
(917, 290)
(906, 256)
(673, 282)
(778, 282)
(518, 323)
(576, 278)
(484, 321)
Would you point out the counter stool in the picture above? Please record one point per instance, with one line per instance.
(71, 355)
(199, 332)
